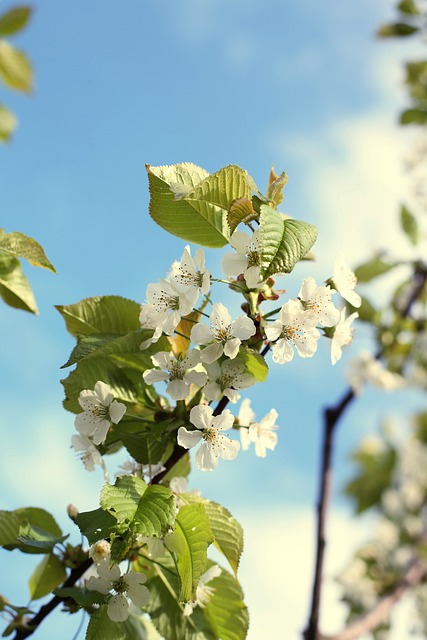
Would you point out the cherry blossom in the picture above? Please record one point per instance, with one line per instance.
(88, 454)
(100, 410)
(214, 444)
(177, 371)
(293, 327)
(190, 273)
(247, 260)
(345, 281)
(343, 335)
(225, 379)
(366, 369)
(222, 336)
(124, 589)
(262, 433)
(318, 301)
(100, 551)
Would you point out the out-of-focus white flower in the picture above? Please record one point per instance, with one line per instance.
(225, 378)
(214, 445)
(343, 335)
(294, 327)
(88, 454)
(318, 300)
(203, 592)
(226, 336)
(262, 433)
(387, 534)
(366, 369)
(100, 410)
(345, 281)
(247, 260)
(414, 525)
(132, 468)
(100, 551)
(392, 504)
(372, 446)
(125, 588)
(179, 372)
(191, 273)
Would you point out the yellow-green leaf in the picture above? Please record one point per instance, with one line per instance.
(14, 20)
(21, 246)
(15, 68)
(8, 124)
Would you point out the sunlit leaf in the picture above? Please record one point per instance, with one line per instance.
(21, 246)
(14, 286)
(15, 68)
(14, 20)
(8, 124)
(48, 574)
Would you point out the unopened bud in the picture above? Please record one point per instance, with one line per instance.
(99, 551)
(73, 512)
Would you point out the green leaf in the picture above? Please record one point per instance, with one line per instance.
(191, 204)
(396, 29)
(15, 68)
(37, 537)
(106, 344)
(12, 521)
(255, 363)
(373, 477)
(226, 612)
(8, 124)
(409, 224)
(373, 268)
(190, 541)
(48, 574)
(414, 116)
(96, 525)
(146, 510)
(241, 210)
(366, 311)
(284, 242)
(83, 597)
(21, 246)
(409, 7)
(101, 314)
(14, 20)
(146, 447)
(14, 286)
(275, 190)
(227, 532)
(100, 626)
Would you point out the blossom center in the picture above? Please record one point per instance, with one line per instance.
(221, 334)
(253, 258)
(176, 371)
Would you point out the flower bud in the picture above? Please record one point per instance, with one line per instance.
(72, 511)
(99, 551)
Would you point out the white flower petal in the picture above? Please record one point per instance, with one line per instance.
(188, 439)
(117, 410)
(206, 457)
(201, 416)
(118, 608)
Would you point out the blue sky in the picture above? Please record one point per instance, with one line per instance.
(304, 86)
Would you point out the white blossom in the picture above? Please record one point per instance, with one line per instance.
(345, 281)
(293, 327)
(318, 300)
(247, 260)
(203, 592)
(366, 369)
(177, 371)
(100, 410)
(262, 433)
(225, 379)
(124, 589)
(343, 335)
(88, 454)
(214, 444)
(191, 273)
(222, 336)
(132, 468)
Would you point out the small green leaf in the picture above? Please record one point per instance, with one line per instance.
(373, 268)
(284, 242)
(396, 29)
(227, 532)
(48, 574)
(102, 627)
(241, 210)
(366, 311)
(414, 116)
(190, 540)
(15, 68)
(101, 314)
(146, 510)
(8, 124)
(83, 597)
(12, 521)
(373, 477)
(409, 224)
(409, 7)
(96, 525)
(255, 363)
(14, 286)
(21, 246)
(275, 190)
(14, 20)
(37, 537)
